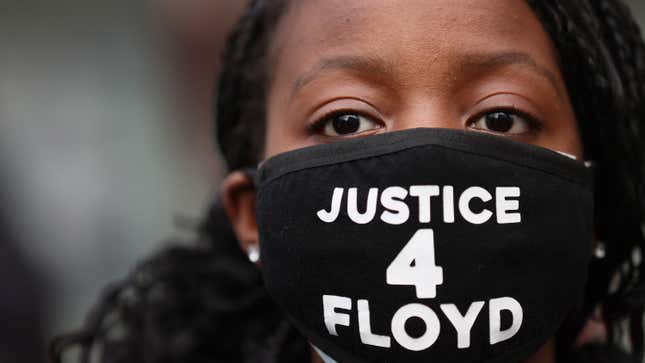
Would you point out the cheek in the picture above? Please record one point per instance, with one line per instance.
(563, 135)
(281, 135)
(278, 140)
(284, 132)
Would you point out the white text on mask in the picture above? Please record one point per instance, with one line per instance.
(395, 200)
(462, 323)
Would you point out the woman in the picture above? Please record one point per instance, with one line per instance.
(563, 76)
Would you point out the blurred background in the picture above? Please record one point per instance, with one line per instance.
(105, 148)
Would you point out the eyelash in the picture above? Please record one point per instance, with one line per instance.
(319, 123)
(534, 123)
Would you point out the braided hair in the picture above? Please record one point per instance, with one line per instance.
(207, 303)
(602, 58)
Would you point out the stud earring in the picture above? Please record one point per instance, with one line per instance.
(599, 251)
(253, 252)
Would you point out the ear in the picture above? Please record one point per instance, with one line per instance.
(237, 193)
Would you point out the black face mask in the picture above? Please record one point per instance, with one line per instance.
(425, 245)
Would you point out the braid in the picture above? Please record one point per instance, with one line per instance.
(603, 60)
(628, 51)
(199, 304)
(240, 103)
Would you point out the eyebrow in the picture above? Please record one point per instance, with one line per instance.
(498, 60)
(382, 67)
(364, 64)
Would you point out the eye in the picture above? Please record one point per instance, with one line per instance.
(345, 123)
(505, 122)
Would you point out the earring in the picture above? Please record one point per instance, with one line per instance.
(599, 250)
(253, 252)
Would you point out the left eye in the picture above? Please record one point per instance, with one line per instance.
(502, 122)
(347, 124)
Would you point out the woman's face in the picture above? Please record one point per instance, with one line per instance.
(346, 69)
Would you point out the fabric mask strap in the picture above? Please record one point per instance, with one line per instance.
(252, 174)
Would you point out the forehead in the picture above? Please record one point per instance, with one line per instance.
(413, 35)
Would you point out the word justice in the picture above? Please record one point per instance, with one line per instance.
(336, 311)
(394, 200)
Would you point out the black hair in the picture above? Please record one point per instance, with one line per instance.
(199, 304)
(207, 303)
(602, 58)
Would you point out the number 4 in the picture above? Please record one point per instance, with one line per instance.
(415, 265)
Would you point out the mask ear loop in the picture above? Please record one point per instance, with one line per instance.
(599, 248)
(578, 317)
(253, 175)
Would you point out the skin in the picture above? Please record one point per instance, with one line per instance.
(407, 64)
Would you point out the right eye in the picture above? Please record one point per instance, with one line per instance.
(504, 122)
(346, 124)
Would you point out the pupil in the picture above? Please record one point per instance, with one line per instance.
(499, 121)
(346, 124)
